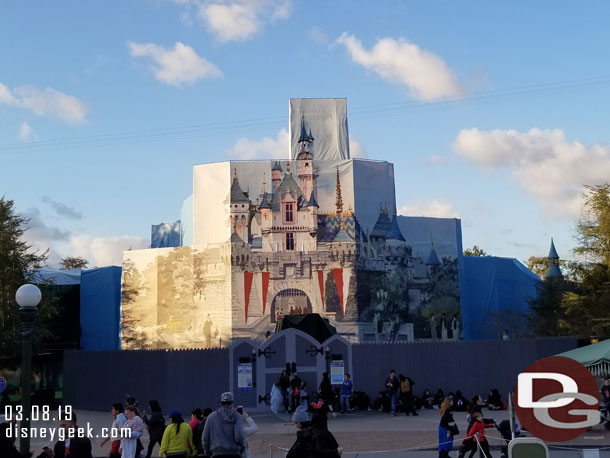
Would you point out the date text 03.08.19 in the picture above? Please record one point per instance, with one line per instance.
(38, 413)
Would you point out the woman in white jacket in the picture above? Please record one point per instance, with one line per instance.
(249, 428)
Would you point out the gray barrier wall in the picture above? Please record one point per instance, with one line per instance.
(474, 367)
(184, 379)
(181, 379)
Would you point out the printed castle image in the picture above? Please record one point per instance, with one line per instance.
(322, 237)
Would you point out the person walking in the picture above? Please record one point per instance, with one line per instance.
(476, 438)
(223, 434)
(198, 432)
(393, 387)
(129, 445)
(446, 430)
(326, 393)
(346, 393)
(177, 439)
(314, 440)
(117, 425)
(155, 425)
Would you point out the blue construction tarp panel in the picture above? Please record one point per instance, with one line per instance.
(494, 291)
(165, 235)
(57, 276)
(100, 305)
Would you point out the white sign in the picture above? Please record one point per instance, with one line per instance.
(244, 375)
(337, 370)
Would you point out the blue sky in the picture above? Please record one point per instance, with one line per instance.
(493, 112)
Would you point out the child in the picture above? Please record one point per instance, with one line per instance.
(477, 429)
(346, 393)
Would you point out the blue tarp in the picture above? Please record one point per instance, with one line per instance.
(57, 276)
(100, 306)
(494, 295)
(165, 235)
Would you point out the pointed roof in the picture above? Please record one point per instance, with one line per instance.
(277, 166)
(553, 252)
(265, 201)
(312, 201)
(394, 231)
(432, 257)
(237, 195)
(304, 137)
(235, 238)
(382, 226)
(342, 235)
(287, 185)
(339, 202)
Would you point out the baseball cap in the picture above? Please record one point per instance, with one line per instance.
(175, 413)
(226, 397)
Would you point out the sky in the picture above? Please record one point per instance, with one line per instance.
(493, 112)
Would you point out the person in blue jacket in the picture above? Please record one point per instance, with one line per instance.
(346, 393)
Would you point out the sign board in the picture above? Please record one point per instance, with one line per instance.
(244, 375)
(2, 384)
(337, 370)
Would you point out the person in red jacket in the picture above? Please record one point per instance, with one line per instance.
(477, 431)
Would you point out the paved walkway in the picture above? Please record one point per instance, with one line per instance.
(364, 434)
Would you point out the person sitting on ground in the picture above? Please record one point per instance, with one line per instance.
(494, 401)
(460, 404)
(427, 399)
(438, 399)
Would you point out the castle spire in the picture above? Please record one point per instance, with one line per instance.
(553, 262)
(339, 202)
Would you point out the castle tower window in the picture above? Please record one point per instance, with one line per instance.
(289, 241)
(289, 215)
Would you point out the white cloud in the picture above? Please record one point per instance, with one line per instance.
(552, 169)
(45, 102)
(426, 75)
(103, 251)
(178, 66)
(431, 208)
(438, 160)
(25, 132)
(318, 36)
(356, 149)
(237, 20)
(265, 148)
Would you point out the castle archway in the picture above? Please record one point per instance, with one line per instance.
(290, 301)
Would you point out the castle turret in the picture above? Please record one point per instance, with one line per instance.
(432, 262)
(339, 201)
(305, 170)
(276, 175)
(239, 209)
(553, 272)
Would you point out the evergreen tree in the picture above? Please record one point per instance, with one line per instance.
(17, 262)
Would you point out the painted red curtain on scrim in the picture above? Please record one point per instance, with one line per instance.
(265, 288)
(338, 276)
(247, 286)
(321, 283)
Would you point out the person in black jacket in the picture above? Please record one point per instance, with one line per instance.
(314, 440)
(494, 401)
(326, 392)
(7, 444)
(72, 447)
(198, 432)
(446, 430)
(393, 388)
(155, 425)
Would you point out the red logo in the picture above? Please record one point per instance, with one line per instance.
(556, 399)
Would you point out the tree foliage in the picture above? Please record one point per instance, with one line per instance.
(475, 251)
(593, 229)
(17, 262)
(73, 262)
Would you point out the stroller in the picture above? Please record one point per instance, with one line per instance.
(504, 430)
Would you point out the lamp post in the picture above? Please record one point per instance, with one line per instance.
(28, 297)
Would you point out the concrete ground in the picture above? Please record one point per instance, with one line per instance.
(364, 434)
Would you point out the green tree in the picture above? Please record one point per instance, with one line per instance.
(586, 307)
(475, 251)
(17, 262)
(73, 262)
(538, 264)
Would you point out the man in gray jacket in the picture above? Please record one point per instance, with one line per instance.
(223, 434)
